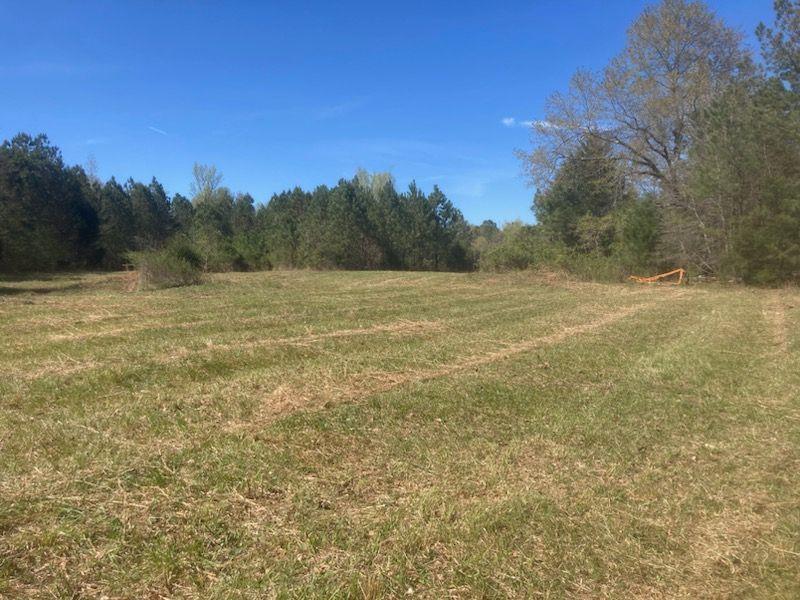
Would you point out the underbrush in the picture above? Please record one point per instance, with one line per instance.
(175, 265)
(526, 248)
(568, 264)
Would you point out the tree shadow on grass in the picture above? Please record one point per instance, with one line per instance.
(15, 291)
(14, 277)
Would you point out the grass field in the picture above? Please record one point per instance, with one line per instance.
(298, 434)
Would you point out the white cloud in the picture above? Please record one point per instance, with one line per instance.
(157, 130)
(512, 122)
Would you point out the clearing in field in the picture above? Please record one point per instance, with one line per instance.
(398, 434)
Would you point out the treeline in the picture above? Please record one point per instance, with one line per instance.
(683, 151)
(54, 216)
(365, 223)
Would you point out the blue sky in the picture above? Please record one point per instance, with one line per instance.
(303, 93)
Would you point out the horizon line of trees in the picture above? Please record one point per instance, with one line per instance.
(57, 217)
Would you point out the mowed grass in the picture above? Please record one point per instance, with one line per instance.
(368, 435)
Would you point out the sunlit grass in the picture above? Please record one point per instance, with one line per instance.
(397, 434)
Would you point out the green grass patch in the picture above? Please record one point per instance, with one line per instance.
(300, 434)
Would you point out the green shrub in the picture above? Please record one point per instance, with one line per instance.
(639, 235)
(528, 247)
(252, 253)
(522, 247)
(592, 266)
(175, 265)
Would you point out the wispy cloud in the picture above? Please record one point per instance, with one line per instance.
(95, 141)
(157, 130)
(512, 122)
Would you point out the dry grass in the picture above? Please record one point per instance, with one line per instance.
(387, 434)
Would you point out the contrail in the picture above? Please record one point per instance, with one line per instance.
(157, 130)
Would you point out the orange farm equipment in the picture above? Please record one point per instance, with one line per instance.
(663, 278)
